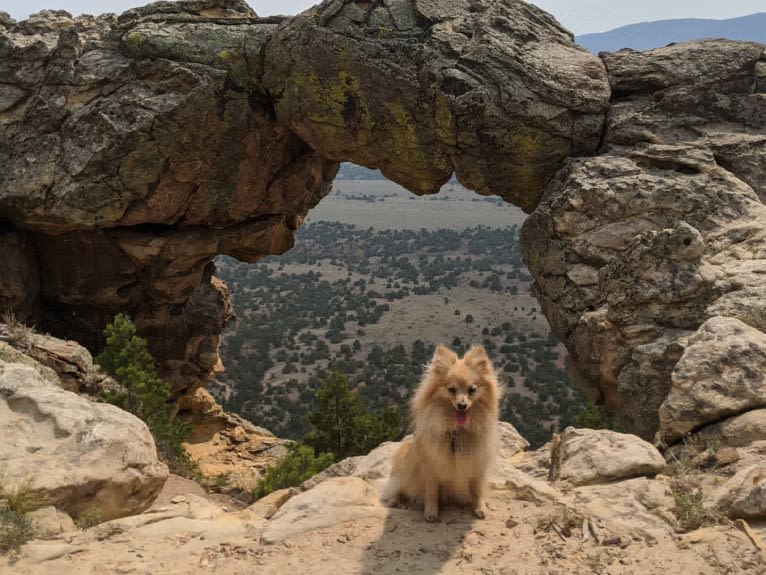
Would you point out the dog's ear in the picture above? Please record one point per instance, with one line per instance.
(478, 359)
(443, 359)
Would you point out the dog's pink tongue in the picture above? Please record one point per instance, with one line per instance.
(461, 417)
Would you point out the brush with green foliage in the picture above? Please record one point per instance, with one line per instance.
(299, 464)
(15, 525)
(127, 359)
(599, 417)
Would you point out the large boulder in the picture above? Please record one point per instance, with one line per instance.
(591, 456)
(634, 249)
(330, 502)
(81, 456)
(722, 350)
(744, 495)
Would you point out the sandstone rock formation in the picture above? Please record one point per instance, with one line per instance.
(744, 495)
(80, 456)
(230, 451)
(634, 249)
(138, 147)
(132, 158)
(496, 92)
(225, 446)
(722, 350)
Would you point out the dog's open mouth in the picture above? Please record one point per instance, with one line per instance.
(461, 417)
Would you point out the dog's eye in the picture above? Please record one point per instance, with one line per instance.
(452, 390)
(471, 390)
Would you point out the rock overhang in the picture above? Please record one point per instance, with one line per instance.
(496, 92)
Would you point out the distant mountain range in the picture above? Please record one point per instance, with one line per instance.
(663, 32)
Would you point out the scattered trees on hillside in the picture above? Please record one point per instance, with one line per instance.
(299, 320)
(343, 426)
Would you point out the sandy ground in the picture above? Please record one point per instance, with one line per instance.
(186, 533)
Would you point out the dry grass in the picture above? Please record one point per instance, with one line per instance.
(15, 505)
(15, 332)
(563, 520)
(689, 508)
(755, 318)
(687, 465)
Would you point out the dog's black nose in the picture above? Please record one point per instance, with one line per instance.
(462, 406)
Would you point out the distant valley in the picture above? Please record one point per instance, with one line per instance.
(376, 279)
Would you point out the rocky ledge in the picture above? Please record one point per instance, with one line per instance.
(588, 500)
(92, 460)
(586, 513)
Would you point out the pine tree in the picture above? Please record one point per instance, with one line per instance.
(344, 425)
(127, 359)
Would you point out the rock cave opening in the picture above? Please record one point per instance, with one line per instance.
(376, 279)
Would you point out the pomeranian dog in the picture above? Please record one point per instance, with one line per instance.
(454, 414)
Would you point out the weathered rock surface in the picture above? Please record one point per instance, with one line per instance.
(721, 373)
(744, 495)
(736, 431)
(48, 522)
(632, 508)
(135, 150)
(332, 501)
(80, 456)
(493, 91)
(224, 445)
(65, 363)
(338, 523)
(588, 456)
(634, 249)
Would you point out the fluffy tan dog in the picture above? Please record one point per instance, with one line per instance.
(454, 413)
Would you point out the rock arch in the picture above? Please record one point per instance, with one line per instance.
(138, 147)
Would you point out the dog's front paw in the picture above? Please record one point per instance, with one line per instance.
(478, 508)
(431, 515)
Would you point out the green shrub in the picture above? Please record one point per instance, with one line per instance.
(127, 359)
(599, 417)
(299, 464)
(15, 525)
(88, 518)
(689, 508)
(15, 530)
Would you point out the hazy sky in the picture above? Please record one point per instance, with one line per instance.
(580, 16)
